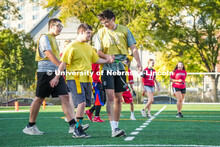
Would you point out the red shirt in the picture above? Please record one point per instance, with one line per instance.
(95, 76)
(177, 75)
(130, 77)
(148, 76)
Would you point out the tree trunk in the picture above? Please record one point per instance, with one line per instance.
(215, 87)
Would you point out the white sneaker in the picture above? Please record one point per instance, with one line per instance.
(32, 130)
(132, 117)
(118, 133)
(65, 119)
(148, 115)
(143, 112)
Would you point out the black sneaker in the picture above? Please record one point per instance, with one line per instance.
(79, 133)
(181, 115)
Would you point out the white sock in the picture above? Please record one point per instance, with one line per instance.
(132, 113)
(116, 124)
(112, 125)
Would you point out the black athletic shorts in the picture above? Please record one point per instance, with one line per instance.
(183, 91)
(45, 90)
(112, 81)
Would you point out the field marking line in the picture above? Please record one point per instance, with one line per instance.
(144, 124)
(134, 145)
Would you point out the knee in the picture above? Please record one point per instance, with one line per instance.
(117, 100)
(39, 100)
(180, 100)
(110, 98)
(152, 101)
(64, 98)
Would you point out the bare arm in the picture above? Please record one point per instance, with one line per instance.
(52, 58)
(109, 58)
(136, 56)
(101, 61)
(158, 87)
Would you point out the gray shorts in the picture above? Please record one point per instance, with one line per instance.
(149, 88)
(79, 98)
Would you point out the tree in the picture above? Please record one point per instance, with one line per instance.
(16, 57)
(87, 10)
(159, 25)
(168, 29)
(16, 50)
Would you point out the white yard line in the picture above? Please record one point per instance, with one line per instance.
(129, 138)
(134, 145)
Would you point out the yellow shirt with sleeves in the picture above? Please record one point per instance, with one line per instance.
(79, 58)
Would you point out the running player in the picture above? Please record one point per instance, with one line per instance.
(148, 80)
(179, 85)
(128, 99)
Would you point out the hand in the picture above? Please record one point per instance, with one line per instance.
(110, 58)
(54, 82)
(134, 94)
(139, 66)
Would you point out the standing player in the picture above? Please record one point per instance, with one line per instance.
(99, 96)
(112, 42)
(48, 56)
(128, 99)
(78, 58)
(148, 80)
(179, 85)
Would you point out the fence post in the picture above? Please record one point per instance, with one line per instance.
(7, 91)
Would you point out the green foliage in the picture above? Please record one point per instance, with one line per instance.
(16, 57)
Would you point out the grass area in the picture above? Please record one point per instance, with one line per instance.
(200, 126)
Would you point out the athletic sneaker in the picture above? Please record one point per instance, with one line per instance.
(89, 114)
(72, 128)
(32, 130)
(79, 133)
(118, 133)
(149, 116)
(143, 112)
(181, 115)
(132, 117)
(178, 115)
(97, 119)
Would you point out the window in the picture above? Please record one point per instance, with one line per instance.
(7, 25)
(21, 17)
(7, 17)
(207, 86)
(21, 26)
(35, 1)
(35, 17)
(189, 22)
(35, 8)
(20, 8)
(48, 9)
(20, 0)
